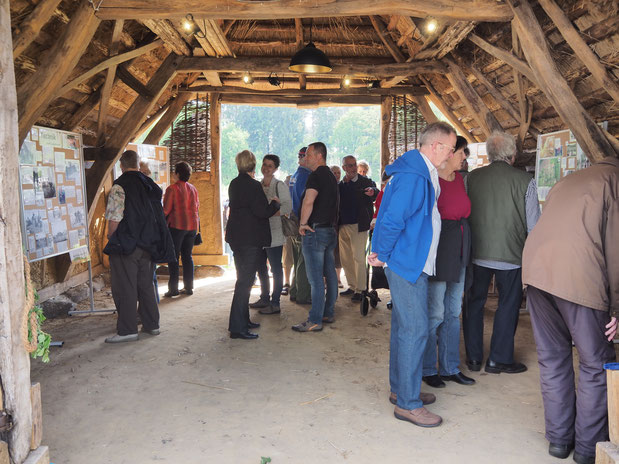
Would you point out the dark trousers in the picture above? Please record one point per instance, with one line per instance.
(132, 283)
(246, 262)
(509, 284)
(274, 255)
(183, 246)
(571, 417)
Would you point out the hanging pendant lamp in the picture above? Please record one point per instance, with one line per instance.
(310, 60)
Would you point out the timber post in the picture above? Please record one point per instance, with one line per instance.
(386, 105)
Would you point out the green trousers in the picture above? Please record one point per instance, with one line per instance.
(300, 287)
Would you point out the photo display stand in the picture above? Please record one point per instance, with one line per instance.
(53, 198)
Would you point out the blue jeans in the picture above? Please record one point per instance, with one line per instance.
(444, 307)
(409, 333)
(318, 249)
(274, 255)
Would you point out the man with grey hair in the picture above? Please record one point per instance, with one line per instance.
(504, 209)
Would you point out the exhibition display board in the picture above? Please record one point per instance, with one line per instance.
(478, 157)
(157, 159)
(52, 190)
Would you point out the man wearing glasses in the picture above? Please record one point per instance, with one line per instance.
(406, 239)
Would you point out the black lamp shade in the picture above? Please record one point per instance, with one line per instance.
(310, 60)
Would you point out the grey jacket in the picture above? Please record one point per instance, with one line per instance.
(280, 190)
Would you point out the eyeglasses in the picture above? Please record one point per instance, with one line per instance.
(451, 149)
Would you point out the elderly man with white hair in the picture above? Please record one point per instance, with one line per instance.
(504, 209)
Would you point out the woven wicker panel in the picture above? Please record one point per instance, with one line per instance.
(190, 136)
(406, 125)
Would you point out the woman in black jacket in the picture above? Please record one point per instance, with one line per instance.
(247, 232)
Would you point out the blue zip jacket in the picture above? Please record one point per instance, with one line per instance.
(297, 187)
(403, 232)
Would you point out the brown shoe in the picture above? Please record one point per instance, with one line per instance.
(426, 398)
(420, 416)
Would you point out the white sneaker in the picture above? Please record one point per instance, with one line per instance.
(122, 338)
(151, 332)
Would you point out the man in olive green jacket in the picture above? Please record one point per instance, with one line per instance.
(571, 266)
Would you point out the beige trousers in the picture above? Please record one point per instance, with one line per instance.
(352, 255)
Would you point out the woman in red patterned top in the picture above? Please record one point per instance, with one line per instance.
(180, 205)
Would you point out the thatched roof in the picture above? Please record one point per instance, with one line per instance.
(345, 39)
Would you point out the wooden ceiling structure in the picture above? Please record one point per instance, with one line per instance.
(110, 68)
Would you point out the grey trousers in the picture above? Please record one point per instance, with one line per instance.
(132, 283)
(572, 415)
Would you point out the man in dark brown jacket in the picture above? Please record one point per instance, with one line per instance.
(571, 266)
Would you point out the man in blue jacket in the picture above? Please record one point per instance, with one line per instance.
(405, 240)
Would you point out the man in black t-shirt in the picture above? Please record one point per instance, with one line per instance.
(317, 227)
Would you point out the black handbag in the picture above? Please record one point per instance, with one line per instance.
(198, 239)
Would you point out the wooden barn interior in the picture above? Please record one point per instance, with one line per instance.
(115, 70)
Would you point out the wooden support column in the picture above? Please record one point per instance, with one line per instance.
(424, 108)
(109, 82)
(14, 361)
(471, 99)
(435, 98)
(386, 105)
(589, 135)
(168, 117)
(28, 30)
(122, 134)
(298, 26)
(40, 88)
(582, 50)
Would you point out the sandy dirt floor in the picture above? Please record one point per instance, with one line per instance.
(193, 395)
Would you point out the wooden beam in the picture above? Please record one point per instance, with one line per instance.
(383, 34)
(151, 120)
(505, 56)
(309, 92)
(109, 82)
(155, 134)
(168, 33)
(83, 111)
(477, 108)
(30, 27)
(435, 98)
(471, 10)
(115, 60)
(582, 50)
(215, 36)
(589, 135)
(216, 247)
(37, 92)
(306, 102)
(386, 105)
(448, 41)
(298, 30)
(124, 131)
(425, 109)
(280, 65)
(519, 82)
(131, 81)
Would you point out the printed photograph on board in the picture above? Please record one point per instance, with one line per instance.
(72, 171)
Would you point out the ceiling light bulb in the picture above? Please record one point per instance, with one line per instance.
(431, 25)
(187, 26)
(247, 78)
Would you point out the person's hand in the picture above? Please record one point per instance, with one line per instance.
(369, 191)
(374, 261)
(303, 228)
(612, 329)
(276, 199)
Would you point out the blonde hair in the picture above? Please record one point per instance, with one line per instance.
(245, 162)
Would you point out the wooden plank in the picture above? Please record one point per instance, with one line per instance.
(168, 33)
(34, 96)
(168, 117)
(37, 416)
(215, 36)
(386, 105)
(124, 131)
(424, 108)
(383, 34)
(214, 224)
(109, 62)
(477, 108)
(599, 72)
(131, 81)
(435, 98)
(464, 10)
(606, 453)
(4, 453)
(30, 27)
(109, 83)
(410, 90)
(505, 56)
(310, 101)
(38, 456)
(612, 382)
(280, 65)
(211, 260)
(589, 135)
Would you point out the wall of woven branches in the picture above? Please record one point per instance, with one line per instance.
(190, 136)
(405, 127)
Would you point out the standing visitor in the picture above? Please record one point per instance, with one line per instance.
(181, 207)
(337, 172)
(406, 239)
(247, 232)
(571, 266)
